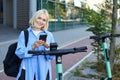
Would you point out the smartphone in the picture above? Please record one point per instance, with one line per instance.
(43, 37)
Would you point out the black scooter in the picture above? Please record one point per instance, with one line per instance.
(58, 54)
(106, 57)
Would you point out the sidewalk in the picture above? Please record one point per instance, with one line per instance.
(65, 39)
(67, 60)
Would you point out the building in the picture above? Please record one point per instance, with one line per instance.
(16, 13)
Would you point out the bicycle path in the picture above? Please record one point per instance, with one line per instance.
(65, 39)
(68, 60)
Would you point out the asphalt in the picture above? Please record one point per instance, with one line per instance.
(63, 38)
(9, 35)
(66, 39)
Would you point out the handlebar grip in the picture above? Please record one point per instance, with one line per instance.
(115, 35)
(104, 36)
(93, 37)
(81, 49)
(36, 52)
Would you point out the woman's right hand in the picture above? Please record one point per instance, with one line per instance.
(39, 43)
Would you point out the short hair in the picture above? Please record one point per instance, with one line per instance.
(36, 15)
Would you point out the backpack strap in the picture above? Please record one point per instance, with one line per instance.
(26, 34)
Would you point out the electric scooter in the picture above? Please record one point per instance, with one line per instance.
(58, 53)
(105, 50)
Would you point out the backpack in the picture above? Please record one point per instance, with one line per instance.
(12, 62)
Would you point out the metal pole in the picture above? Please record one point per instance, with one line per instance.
(15, 14)
(55, 15)
(41, 4)
(59, 69)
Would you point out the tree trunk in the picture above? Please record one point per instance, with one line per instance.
(114, 24)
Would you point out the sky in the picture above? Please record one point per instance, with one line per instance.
(91, 3)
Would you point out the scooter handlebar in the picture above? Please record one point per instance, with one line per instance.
(58, 52)
(115, 35)
(104, 36)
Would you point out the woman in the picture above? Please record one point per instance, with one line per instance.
(35, 67)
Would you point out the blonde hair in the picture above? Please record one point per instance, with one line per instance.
(36, 15)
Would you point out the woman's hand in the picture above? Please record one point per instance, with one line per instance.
(39, 43)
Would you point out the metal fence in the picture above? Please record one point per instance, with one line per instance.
(57, 26)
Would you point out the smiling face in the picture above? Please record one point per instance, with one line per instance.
(40, 22)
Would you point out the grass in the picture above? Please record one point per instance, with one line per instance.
(99, 67)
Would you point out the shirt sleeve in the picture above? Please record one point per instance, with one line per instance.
(22, 50)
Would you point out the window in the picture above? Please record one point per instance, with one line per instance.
(1, 11)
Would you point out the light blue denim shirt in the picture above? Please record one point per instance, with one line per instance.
(37, 66)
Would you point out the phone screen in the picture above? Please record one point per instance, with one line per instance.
(43, 37)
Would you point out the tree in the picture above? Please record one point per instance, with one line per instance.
(100, 25)
(113, 31)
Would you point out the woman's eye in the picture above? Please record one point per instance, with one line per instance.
(44, 19)
(39, 17)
